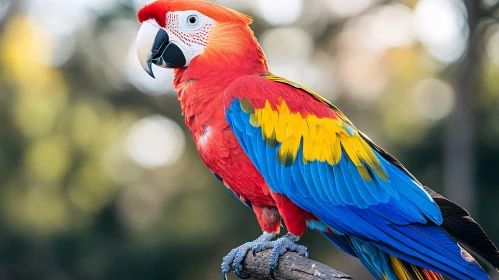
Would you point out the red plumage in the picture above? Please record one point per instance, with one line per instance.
(430, 275)
(158, 10)
(201, 98)
(201, 89)
(300, 103)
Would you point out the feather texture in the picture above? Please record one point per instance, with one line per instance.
(466, 231)
(324, 165)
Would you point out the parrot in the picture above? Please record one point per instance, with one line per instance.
(291, 156)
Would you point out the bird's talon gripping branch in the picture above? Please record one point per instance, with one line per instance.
(234, 260)
(279, 248)
(240, 274)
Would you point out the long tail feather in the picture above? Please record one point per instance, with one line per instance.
(456, 220)
(468, 233)
(430, 275)
(431, 247)
(405, 270)
(379, 263)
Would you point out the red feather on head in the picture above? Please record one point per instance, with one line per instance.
(158, 10)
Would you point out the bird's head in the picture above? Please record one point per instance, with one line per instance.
(176, 33)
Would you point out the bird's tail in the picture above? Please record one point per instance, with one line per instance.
(386, 262)
(405, 270)
(468, 233)
(381, 265)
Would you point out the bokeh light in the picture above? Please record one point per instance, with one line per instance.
(344, 8)
(389, 26)
(58, 18)
(493, 43)
(279, 12)
(4, 8)
(441, 27)
(155, 141)
(433, 98)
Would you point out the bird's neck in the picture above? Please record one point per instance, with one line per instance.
(201, 85)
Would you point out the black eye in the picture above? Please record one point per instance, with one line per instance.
(192, 20)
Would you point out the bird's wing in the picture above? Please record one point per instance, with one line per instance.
(307, 150)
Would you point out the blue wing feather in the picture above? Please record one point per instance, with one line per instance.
(322, 170)
(307, 188)
(345, 166)
(313, 171)
(333, 192)
(270, 155)
(378, 211)
(341, 185)
(298, 180)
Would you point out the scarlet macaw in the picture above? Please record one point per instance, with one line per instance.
(288, 153)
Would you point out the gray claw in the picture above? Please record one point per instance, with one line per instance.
(279, 247)
(234, 260)
(241, 274)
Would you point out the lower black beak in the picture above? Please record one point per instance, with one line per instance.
(172, 57)
(165, 53)
(160, 43)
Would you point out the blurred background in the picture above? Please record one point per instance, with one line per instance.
(99, 178)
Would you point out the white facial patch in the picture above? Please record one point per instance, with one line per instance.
(189, 30)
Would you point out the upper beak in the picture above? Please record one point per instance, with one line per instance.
(151, 43)
(154, 47)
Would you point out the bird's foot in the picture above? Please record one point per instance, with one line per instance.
(234, 260)
(279, 248)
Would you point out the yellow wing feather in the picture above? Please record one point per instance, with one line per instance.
(322, 139)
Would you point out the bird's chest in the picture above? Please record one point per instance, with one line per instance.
(220, 151)
(218, 146)
(214, 140)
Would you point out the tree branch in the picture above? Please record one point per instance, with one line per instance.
(291, 267)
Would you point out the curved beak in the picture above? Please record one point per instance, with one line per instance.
(154, 47)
